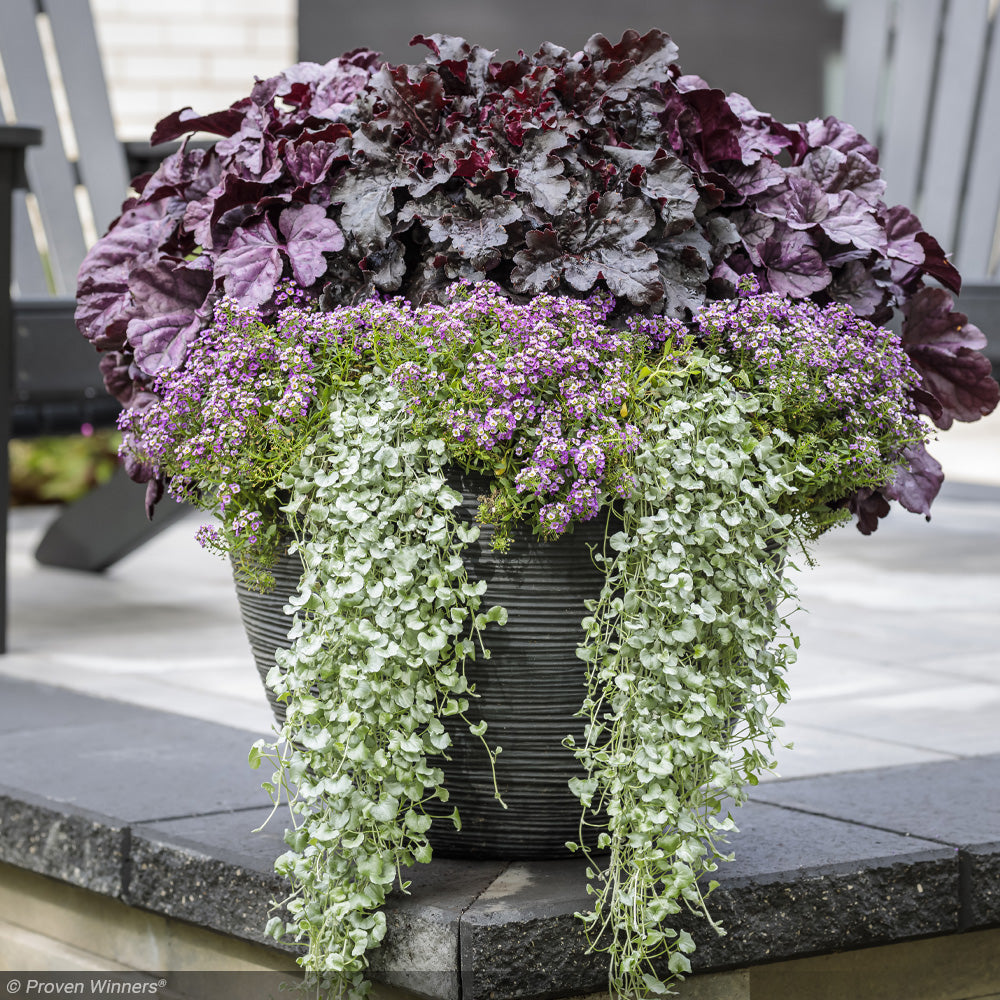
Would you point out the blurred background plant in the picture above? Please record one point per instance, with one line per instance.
(61, 469)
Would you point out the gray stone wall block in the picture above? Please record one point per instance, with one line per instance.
(79, 847)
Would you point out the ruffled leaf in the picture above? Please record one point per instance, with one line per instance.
(943, 347)
(917, 482)
(836, 170)
(791, 263)
(852, 221)
(309, 234)
(603, 244)
(832, 133)
(663, 179)
(251, 266)
(367, 201)
(540, 171)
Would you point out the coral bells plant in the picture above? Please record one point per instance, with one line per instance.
(618, 294)
(554, 172)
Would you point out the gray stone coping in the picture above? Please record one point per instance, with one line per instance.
(163, 812)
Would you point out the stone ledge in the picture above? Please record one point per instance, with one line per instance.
(946, 802)
(209, 870)
(53, 838)
(159, 810)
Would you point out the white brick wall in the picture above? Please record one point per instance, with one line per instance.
(159, 57)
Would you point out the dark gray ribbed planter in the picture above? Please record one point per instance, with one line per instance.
(529, 690)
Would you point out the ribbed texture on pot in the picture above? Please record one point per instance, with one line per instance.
(265, 622)
(528, 690)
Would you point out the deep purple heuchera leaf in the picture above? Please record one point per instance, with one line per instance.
(161, 341)
(869, 507)
(104, 303)
(114, 368)
(792, 265)
(185, 174)
(187, 121)
(917, 482)
(944, 348)
(569, 171)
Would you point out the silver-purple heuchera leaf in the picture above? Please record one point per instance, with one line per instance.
(367, 202)
(310, 162)
(663, 179)
(856, 286)
(174, 309)
(541, 171)
(473, 231)
(327, 91)
(254, 261)
(602, 244)
(832, 133)
(835, 170)
(801, 205)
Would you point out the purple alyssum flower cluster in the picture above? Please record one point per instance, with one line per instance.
(217, 430)
(842, 388)
(544, 397)
(538, 394)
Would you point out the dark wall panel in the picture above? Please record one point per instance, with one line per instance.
(770, 50)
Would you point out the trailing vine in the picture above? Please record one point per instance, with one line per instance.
(385, 620)
(683, 672)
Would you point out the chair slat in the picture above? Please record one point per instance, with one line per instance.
(103, 169)
(981, 207)
(28, 279)
(866, 46)
(46, 166)
(27, 273)
(917, 29)
(950, 132)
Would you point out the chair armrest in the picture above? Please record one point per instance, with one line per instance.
(144, 158)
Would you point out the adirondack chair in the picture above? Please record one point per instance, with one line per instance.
(922, 81)
(57, 386)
